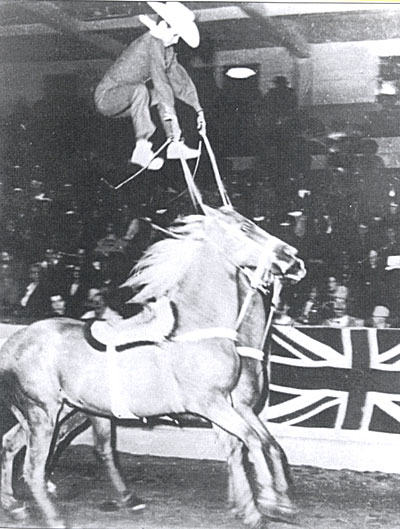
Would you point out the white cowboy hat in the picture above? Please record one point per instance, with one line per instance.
(181, 20)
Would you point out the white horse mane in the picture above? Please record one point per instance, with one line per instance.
(165, 262)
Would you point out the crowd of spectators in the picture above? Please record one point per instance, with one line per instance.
(353, 273)
(68, 240)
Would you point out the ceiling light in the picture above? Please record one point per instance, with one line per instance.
(240, 72)
(387, 88)
(295, 213)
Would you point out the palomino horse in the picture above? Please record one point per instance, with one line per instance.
(194, 370)
(251, 390)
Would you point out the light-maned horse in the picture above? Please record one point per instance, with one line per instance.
(251, 390)
(49, 363)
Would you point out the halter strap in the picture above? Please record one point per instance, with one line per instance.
(207, 333)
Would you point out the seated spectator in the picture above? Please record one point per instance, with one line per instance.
(9, 291)
(281, 316)
(379, 318)
(35, 303)
(344, 268)
(340, 317)
(392, 217)
(361, 244)
(54, 270)
(58, 306)
(75, 293)
(310, 312)
(111, 242)
(369, 285)
(328, 296)
(100, 310)
(391, 243)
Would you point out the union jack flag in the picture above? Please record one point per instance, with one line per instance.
(345, 379)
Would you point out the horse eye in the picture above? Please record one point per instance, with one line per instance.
(244, 227)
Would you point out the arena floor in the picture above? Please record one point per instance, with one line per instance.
(191, 494)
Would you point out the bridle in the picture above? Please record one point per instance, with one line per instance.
(257, 283)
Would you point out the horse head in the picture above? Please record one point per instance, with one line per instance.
(254, 248)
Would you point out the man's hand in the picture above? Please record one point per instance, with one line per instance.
(201, 122)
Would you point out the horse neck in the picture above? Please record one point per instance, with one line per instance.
(252, 329)
(207, 295)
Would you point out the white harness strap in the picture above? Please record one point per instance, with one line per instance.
(250, 352)
(274, 303)
(118, 402)
(203, 334)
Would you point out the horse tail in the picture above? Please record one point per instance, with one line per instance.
(11, 393)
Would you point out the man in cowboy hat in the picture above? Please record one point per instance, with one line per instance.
(152, 57)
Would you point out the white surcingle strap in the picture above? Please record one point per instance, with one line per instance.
(208, 333)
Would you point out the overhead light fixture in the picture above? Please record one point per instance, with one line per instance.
(295, 214)
(240, 72)
(387, 88)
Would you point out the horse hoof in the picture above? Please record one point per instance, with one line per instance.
(133, 502)
(19, 512)
(110, 506)
(12, 506)
(283, 513)
(258, 522)
(128, 502)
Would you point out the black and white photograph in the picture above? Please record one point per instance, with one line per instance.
(199, 264)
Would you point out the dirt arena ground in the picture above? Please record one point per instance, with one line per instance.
(191, 494)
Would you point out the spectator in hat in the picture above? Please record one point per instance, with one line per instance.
(379, 318)
(124, 90)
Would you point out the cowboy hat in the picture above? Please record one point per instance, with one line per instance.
(181, 20)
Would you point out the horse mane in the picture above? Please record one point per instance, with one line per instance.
(165, 262)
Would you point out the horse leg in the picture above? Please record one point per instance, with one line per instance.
(41, 429)
(219, 411)
(13, 441)
(240, 494)
(102, 436)
(276, 459)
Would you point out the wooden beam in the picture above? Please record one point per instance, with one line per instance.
(51, 15)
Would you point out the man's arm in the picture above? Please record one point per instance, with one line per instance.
(183, 86)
